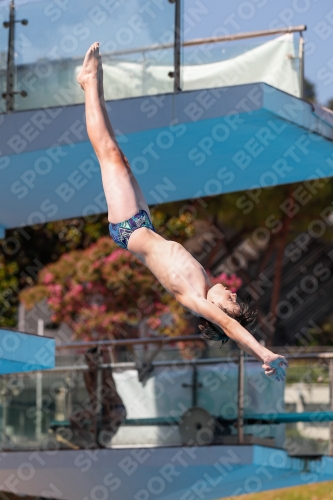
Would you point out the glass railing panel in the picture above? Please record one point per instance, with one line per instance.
(49, 51)
(216, 52)
(308, 390)
(20, 426)
(145, 401)
(31, 403)
(179, 350)
(145, 73)
(261, 396)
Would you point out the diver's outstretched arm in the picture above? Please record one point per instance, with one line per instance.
(273, 364)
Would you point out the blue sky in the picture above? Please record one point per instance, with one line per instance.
(66, 28)
(241, 16)
(55, 23)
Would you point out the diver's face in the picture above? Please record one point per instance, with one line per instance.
(220, 295)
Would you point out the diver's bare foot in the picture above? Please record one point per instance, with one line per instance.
(89, 70)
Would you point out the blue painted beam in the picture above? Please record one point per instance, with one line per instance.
(180, 146)
(2, 232)
(286, 418)
(278, 418)
(256, 418)
(23, 352)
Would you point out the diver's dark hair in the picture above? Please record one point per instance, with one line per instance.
(245, 314)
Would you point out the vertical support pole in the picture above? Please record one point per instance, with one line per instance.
(10, 59)
(301, 65)
(4, 386)
(240, 419)
(39, 390)
(98, 406)
(60, 404)
(177, 46)
(194, 386)
(331, 404)
(69, 406)
(21, 318)
(112, 354)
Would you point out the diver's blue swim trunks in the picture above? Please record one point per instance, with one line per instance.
(121, 232)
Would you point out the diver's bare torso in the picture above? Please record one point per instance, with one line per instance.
(174, 267)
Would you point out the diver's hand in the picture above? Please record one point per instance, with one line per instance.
(275, 366)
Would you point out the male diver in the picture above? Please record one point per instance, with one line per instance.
(221, 317)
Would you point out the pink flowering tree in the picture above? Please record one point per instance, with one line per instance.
(232, 282)
(104, 292)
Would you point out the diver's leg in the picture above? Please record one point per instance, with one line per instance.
(117, 177)
(138, 193)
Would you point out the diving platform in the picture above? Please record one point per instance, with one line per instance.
(222, 140)
(24, 352)
(171, 473)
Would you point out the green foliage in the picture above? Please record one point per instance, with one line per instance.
(322, 335)
(27, 249)
(249, 210)
(280, 214)
(8, 287)
(103, 291)
(329, 104)
(244, 212)
(309, 91)
(300, 372)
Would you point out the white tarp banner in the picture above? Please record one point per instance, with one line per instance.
(274, 62)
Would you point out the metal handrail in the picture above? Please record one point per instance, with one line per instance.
(319, 355)
(204, 41)
(123, 342)
(243, 36)
(169, 340)
(131, 365)
(190, 362)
